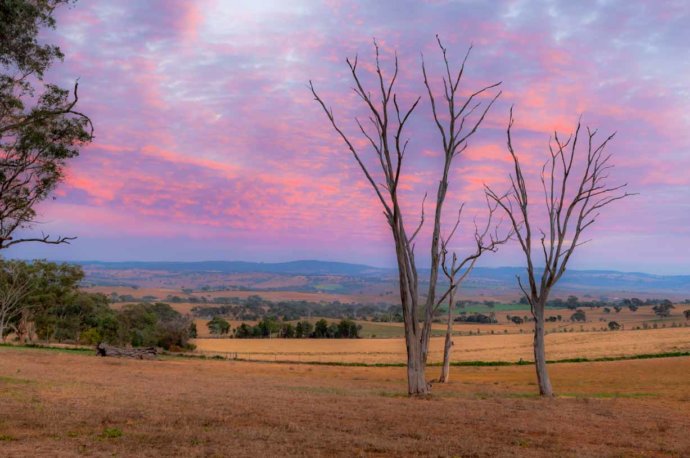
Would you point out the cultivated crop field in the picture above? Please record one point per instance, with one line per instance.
(65, 404)
(510, 347)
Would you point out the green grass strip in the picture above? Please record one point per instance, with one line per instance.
(454, 363)
(33, 346)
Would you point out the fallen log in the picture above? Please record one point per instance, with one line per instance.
(138, 353)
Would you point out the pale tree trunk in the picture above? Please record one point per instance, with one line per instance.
(448, 345)
(543, 379)
(445, 369)
(416, 361)
(2, 324)
(23, 327)
(416, 379)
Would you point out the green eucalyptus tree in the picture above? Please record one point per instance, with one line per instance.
(40, 128)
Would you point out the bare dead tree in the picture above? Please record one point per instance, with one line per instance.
(486, 240)
(15, 285)
(386, 139)
(574, 198)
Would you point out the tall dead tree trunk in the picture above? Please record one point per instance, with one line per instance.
(545, 388)
(448, 342)
(389, 145)
(573, 199)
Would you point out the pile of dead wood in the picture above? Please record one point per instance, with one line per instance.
(138, 353)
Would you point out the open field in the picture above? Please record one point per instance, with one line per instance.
(318, 277)
(597, 320)
(510, 347)
(60, 404)
(162, 293)
(503, 299)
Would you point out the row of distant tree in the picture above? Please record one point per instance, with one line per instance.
(271, 327)
(662, 309)
(208, 305)
(573, 302)
(255, 307)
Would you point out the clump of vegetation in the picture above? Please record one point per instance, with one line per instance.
(49, 305)
(218, 326)
(578, 316)
(270, 327)
(476, 318)
(663, 309)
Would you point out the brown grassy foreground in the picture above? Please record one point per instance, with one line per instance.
(502, 347)
(60, 404)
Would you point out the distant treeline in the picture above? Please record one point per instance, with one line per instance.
(255, 308)
(476, 318)
(270, 327)
(573, 302)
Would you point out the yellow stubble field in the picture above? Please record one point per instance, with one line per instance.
(508, 347)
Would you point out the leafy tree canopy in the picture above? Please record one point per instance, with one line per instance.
(40, 128)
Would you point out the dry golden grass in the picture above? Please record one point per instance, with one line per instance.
(510, 347)
(597, 320)
(58, 404)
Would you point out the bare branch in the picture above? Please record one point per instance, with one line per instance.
(331, 118)
(421, 222)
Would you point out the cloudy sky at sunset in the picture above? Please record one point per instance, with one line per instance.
(209, 145)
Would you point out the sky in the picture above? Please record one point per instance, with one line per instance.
(209, 145)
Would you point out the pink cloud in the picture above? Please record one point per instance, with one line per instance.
(204, 123)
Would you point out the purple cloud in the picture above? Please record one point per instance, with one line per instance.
(207, 135)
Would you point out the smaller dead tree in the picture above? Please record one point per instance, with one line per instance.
(574, 191)
(486, 240)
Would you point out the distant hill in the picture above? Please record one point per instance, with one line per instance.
(484, 278)
(595, 280)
